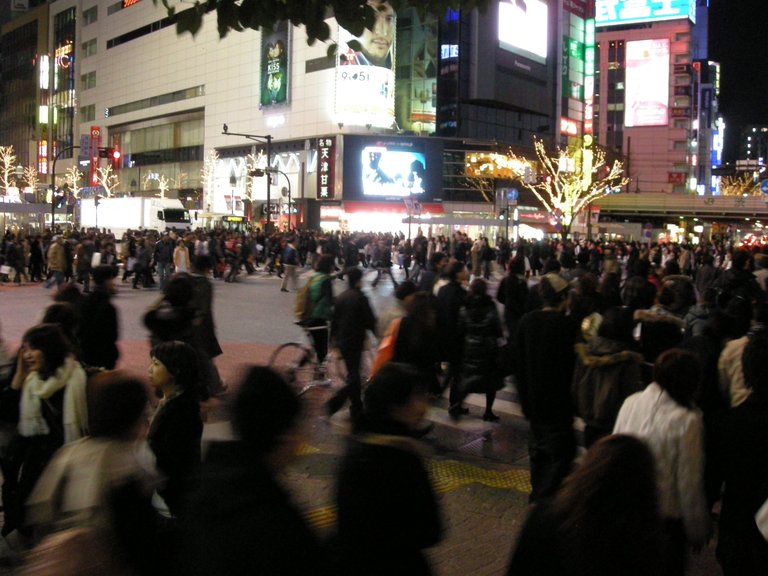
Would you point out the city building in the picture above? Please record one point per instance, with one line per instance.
(656, 93)
(265, 128)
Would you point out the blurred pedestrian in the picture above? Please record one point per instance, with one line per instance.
(242, 520)
(387, 510)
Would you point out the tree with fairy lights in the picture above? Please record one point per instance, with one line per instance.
(568, 181)
(741, 185)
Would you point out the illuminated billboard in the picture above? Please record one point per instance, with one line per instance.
(523, 28)
(647, 83)
(365, 72)
(274, 66)
(616, 12)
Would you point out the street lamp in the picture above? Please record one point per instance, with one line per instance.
(262, 139)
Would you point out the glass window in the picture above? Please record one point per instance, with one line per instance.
(90, 15)
(89, 48)
(88, 113)
(88, 81)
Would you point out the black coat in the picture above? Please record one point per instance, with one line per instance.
(480, 327)
(243, 521)
(174, 437)
(352, 318)
(746, 487)
(387, 509)
(97, 330)
(451, 299)
(545, 362)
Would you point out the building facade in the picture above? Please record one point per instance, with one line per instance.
(356, 140)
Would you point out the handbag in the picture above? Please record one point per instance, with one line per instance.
(386, 350)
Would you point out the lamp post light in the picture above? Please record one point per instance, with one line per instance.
(267, 139)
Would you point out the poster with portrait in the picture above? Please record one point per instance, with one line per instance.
(274, 66)
(365, 72)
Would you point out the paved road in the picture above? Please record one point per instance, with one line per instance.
(480, 469)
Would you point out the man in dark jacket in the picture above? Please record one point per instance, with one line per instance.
(451, 299)
(97, 330)
(352, 318)
(545, 362)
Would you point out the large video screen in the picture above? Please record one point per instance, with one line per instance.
(616, 12)
(647, 83)
(523, 28)
(392, 168)
(389, 171)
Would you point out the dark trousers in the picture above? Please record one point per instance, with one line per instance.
(551, 449)
(353, 387)
(319, 337)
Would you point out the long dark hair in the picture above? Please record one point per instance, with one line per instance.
(607, 510)
(49, 339)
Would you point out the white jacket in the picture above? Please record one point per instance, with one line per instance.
(675, 435)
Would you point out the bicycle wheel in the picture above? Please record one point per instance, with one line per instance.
(296, 362)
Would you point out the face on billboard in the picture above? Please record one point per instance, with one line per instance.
(615, 12)
(375, 44)
(647, 83)
(365, 78)
(523, 28)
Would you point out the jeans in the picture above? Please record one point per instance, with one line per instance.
(163, 273)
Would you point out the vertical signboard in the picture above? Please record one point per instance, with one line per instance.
(365, 72)
(274, 66)
(326, 167)
(647, 83)
(95, 145)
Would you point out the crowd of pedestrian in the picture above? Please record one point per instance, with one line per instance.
(659, 349)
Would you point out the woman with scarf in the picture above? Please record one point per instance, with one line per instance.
(52, 411)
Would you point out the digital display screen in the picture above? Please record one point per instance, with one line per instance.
(523, 28)
(617, 12)
(387, 171)
(647, 83)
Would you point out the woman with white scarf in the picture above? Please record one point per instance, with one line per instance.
(52, 411)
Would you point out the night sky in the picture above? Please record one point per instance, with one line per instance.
(739, 41)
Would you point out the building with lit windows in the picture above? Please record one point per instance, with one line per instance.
(354, 141)
(656, 93)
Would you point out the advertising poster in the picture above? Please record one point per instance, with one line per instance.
(416, 98)
(365, 72)
(617, 12)
(523, 28)
(274, 66)
(647, 83)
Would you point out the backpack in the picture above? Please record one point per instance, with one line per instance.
(302, 306)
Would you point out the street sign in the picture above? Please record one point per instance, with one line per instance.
(764, 186)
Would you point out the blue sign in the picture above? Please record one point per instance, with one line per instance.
(764, 186)
(617, 12)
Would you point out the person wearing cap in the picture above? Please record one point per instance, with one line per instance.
(545, 363)
(98, 329)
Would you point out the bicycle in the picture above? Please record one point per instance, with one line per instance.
(297, 362)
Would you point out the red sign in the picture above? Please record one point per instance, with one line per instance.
(94, 154)
(676, 177)
(326, 167)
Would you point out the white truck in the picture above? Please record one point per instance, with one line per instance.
(121, 214)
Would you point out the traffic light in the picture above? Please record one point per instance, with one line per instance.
(114, 154)
(96, 199)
